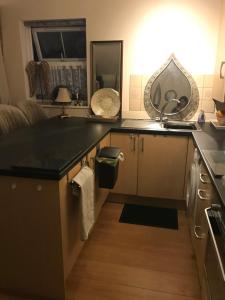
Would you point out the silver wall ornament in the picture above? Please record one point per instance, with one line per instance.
(171, 81)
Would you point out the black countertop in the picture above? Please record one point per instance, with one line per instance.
(50, 149)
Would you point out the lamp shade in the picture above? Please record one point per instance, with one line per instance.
(63, 96)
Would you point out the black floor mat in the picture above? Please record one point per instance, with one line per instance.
(149, 216)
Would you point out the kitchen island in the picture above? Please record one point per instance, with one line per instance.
(40, 221)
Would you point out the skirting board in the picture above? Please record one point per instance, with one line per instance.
(148, 201)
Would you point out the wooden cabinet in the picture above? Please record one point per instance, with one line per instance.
(154, 166)
(31, 237)
(40, 232)
(161, 166)
(204, 287)
(127, 177)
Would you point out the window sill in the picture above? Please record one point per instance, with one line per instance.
(66, 106)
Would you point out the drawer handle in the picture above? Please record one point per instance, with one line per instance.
(204, 178)
(201, 236)
(202, 194)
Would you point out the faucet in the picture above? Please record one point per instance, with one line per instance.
(164, 107)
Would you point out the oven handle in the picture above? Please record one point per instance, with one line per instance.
(214, 243)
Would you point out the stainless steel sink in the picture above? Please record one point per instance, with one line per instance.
(146, 124)
(154, 125)
(180, 125)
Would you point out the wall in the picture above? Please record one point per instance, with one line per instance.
(151, 30)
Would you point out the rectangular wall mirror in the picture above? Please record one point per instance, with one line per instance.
(106, 65)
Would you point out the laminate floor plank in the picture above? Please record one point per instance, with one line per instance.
(127, 261)
(177, 284)
(86, 289)
(133, 262)
(151, 259)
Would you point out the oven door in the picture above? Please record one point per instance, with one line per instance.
(215, 254)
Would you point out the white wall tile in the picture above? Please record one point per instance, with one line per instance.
(207, 93)
(135, 98)
(135, 80)
(208, 81)
(199, 80)
(208, 106)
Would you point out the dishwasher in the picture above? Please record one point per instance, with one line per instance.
(215, 252)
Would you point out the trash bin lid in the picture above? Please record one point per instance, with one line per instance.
(109, 152)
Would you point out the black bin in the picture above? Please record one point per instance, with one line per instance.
(107, 165)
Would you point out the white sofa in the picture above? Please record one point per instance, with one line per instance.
(24, 113)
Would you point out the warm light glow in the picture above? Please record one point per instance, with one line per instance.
(173, 29)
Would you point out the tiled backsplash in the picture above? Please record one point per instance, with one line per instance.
(203, 82)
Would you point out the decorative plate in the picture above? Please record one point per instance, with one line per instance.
(105, 102)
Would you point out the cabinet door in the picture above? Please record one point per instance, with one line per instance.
(127, 177)
(162, 164)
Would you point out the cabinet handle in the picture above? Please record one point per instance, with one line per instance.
(133, 142)
(142, 144)
(195, 227)
(204, 178)
(201, 236)
(202, 194)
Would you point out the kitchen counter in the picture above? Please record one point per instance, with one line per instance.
(50, 149)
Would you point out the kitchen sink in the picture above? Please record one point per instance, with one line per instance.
(154, 125)
(180, 125)
(146, 124)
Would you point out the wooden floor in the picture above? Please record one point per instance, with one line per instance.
(130, 262)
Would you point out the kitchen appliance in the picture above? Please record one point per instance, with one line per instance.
(193, 182)
(215, 252)
(199, 194)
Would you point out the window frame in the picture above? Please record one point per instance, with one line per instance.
(35, 30)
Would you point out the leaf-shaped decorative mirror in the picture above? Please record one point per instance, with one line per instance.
(171, 81)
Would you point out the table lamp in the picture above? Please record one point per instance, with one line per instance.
(63, 98)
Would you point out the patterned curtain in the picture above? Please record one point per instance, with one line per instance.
(74, 77)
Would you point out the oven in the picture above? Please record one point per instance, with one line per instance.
(215, 252)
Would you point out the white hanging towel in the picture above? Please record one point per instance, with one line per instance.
(85, 179)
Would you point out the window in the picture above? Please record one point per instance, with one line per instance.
(59, 43)
(60, 47)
